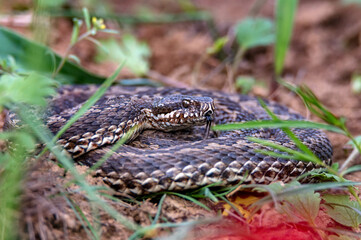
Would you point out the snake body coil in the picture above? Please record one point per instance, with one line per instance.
(178, 157)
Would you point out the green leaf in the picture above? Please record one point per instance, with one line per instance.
(32, 89)
(245, 83)
(298, 189)
(299, 205)
(303, 206)
(356, 83)
(325, 176)
(335, 166)
(341, 209)
(254, 32)
(134, 53)
(31, 56)
(285, 12)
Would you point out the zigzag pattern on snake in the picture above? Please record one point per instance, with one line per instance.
(180, 158)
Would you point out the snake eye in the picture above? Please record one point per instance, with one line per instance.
(185, 103)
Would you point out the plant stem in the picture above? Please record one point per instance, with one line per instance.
(350, 158)
(67, 52)
(357, 146)
(234, 67)
(197, 69)
(348, 134)
(63, 60)
(237, 59)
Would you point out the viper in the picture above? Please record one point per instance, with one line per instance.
(169, 145)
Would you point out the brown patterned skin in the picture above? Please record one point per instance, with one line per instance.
(178, 160)
(113, 116)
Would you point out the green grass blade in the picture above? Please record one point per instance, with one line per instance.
(351, 169)
(313, 173)
(45, 136)
(285, 12)
(90, 102)
(12, 171)
(276, 124)
(277, 155)
(155, 220)
(202, 192)
(300, 145)
(80, 216)
(190, 199)
(291, 135)
(297, 154)
(228, 190)
(232, 205)
(209, 194)
(112, 150)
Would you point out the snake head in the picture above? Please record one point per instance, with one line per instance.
(175, 112)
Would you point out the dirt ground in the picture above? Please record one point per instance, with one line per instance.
(325, 52)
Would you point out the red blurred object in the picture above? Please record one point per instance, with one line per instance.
(232, 230)
(267, 224)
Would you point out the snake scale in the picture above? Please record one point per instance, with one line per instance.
(171, 147)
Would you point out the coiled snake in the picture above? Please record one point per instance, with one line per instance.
(169, 149)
